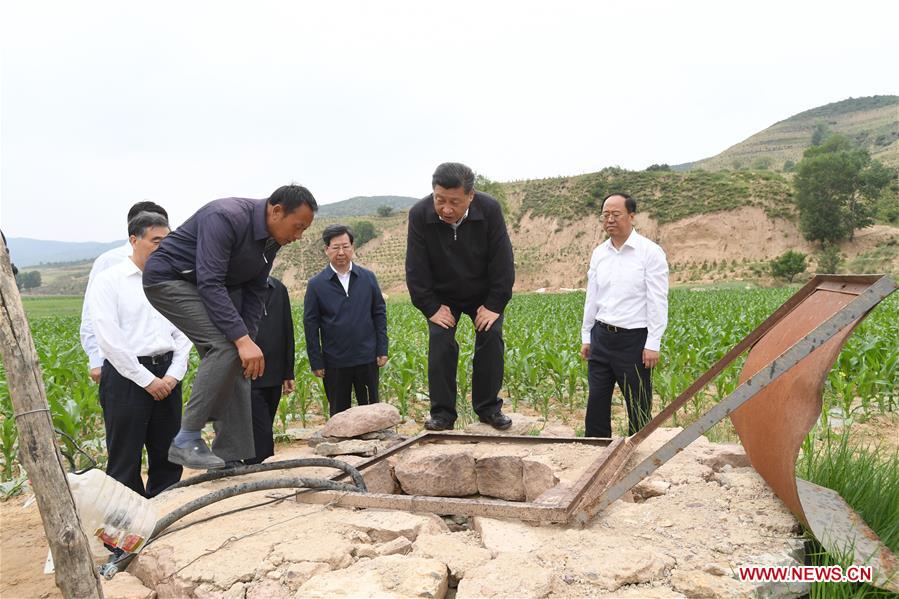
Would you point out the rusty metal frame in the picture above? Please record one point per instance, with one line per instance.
(557, 508)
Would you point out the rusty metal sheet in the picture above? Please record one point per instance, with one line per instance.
(773, 425)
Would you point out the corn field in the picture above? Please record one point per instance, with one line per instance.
(544, 373)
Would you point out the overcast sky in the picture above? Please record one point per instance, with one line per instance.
(106, 103)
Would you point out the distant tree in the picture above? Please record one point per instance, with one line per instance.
(28, 280)
(658, 167)
(494, 188)
(385, 210)
(363, 232)
(819, 134)
(789, 166)
(837, 187)
(762, 163)
(829, 258)
(788, 265)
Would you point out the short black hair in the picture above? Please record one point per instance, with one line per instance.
(630, 204)
(451, 175)
(142, 221)
(291, 197)
(146, 207)
(336, 230)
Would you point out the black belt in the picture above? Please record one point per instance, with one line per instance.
(157, 359)
(613, 329)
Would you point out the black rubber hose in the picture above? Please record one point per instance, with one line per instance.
(268, 466)
(249, 487)
(120, 564)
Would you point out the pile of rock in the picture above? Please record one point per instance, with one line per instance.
(362, 431)
(445, 471)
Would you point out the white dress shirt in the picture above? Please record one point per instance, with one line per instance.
(344, 278)
(126, 326)
(628, 288)
(108, 258)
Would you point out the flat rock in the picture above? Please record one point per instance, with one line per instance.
(300, 434)
(362, 419)
(387, 576)
(511, 536)
(717, 457)
(126, 586)
(695, 583)
(398, 546)
(509, 575)
(521, 425)
(351, 447)
(537, 478)
(268, 589)
(460, 551)
(437, 474)
(386, 525)
(379, 478)
(382, 435)
(330, 549)
(650, 487)
(296, 574)
(500, 477)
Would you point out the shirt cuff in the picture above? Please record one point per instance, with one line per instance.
(176, 372)
(652, 344)
(95, 361)
(143, 378)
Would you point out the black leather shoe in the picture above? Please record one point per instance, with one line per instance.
(196, 455)
(438, 424)
(497, 420)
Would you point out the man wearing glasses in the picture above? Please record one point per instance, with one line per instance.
(625, 315)
(345, 319)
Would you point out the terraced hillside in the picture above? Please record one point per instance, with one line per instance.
(872, 123)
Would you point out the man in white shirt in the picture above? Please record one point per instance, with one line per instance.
(109, 258)
(625, 315)
(145, 360)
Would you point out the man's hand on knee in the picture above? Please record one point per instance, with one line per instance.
(485, 318)
(251, 358)
(443, 317)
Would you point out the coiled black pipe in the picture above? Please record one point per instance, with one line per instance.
(267, 466)
(112, 567)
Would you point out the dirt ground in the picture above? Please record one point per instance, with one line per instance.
(694, 520)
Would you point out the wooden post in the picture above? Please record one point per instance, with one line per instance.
(76, 574)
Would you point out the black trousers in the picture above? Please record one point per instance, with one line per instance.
(486, 371)
(340, 382)
(134, 420)
(617, 357)
(264, 401)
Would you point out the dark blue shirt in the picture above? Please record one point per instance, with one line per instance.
(344, 329)
(224, 247)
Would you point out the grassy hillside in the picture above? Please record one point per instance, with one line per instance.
(872, 122)
(365, 206)
(665, 195)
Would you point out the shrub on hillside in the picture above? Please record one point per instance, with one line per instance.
(788, 265)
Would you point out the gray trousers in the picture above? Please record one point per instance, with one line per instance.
(220, 392)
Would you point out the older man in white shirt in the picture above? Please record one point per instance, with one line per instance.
(107, 259)
(625, 315)
(145, 360)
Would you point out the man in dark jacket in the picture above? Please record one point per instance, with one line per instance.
(208, 277)
(345, 319)
(275, 339)
(459, 260)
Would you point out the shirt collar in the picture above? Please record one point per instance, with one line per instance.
(260, 231)
(632, 241)
(334, 270)
(130, 267)
(474, 211)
